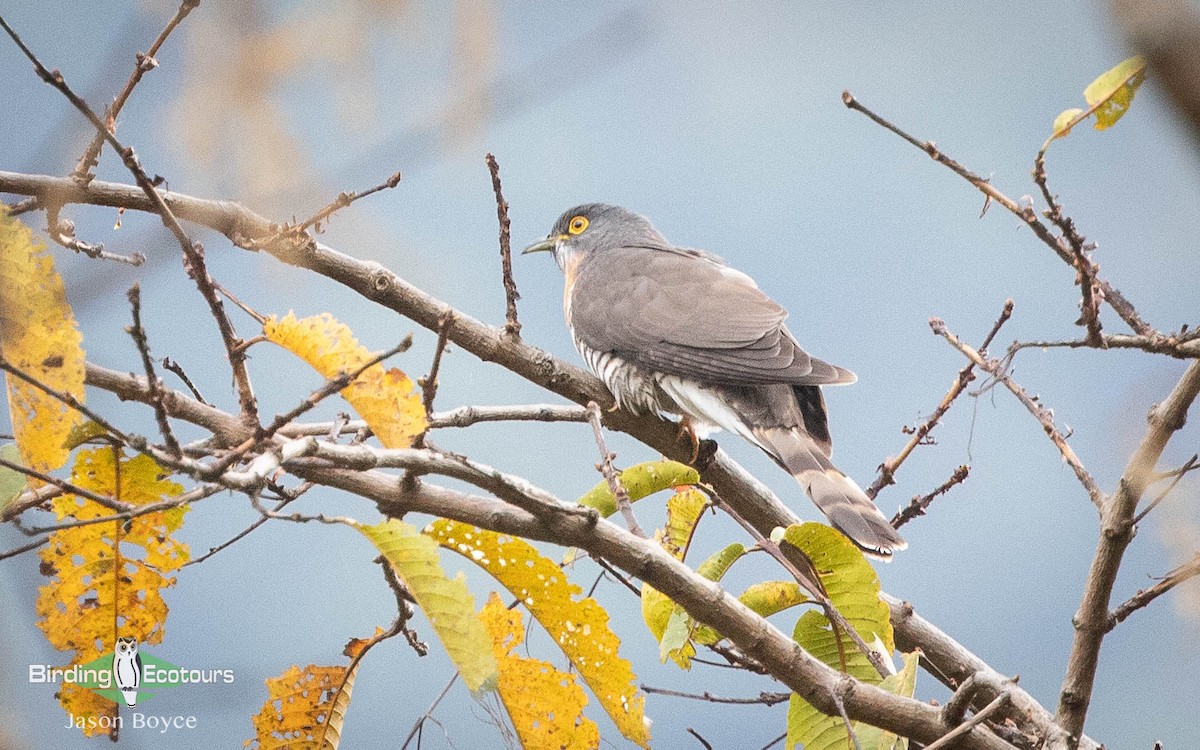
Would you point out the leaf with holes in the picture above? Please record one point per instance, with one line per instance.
(578, 626)
(384, 398)
(108, 578)
(38, 337)
(544, 704)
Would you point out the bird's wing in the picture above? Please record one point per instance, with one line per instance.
(688, 314)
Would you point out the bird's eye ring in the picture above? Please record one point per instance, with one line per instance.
(577, 225)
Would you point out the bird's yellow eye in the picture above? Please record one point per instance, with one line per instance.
(577, 225)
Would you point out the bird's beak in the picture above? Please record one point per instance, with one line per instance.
(545, 246)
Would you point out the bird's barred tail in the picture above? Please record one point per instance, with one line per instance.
(836, 495)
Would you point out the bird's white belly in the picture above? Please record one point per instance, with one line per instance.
(649, 393)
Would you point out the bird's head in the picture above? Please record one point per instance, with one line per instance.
(593, 227)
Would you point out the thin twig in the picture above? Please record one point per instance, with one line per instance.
(1176, 477)
(71, 401)
(887, 470)
(174, 367)
(429, 384)
(428, 712)
(919, 503)
(193, 252)
(956, 708)
(342, 200)
(764, 698)
(511, 295)
(62, 231)
(404, 608)
(1041, 413)
(331, 386)
(605, 467)
(138, 333)
(24, 548)
(705, 743)
(145, 63)
(1188, 570)
(948, 739)
(66, 486)
(1025, 213)
(840, 702)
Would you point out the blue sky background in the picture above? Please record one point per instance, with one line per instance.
(725, 126)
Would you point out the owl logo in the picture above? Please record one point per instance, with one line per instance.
(127, 669)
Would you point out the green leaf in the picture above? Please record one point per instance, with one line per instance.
(676, 643)
(853, 588)
(639, 481)
(82, 433)
(445, 601)
(1113, 91)
(1065, 121)
(12, 483)
(903, 683)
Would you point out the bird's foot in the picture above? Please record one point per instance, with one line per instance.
(687, 430)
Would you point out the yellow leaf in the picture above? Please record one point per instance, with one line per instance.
(579, 627)
(545, 705)
(766, 598)
(640, 481)
(12, 483)
(305, 709)
(108, 578)
(676, 639)
(683, 514)
(384, 398)
(1113, 91)
(1063, 123)
(38, 336)
(445, 601)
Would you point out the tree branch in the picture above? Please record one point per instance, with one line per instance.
(1116, 531)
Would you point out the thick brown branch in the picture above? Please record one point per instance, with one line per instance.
(1116, 531)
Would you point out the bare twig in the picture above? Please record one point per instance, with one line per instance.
(840, 702)
(193, 252)
(1116, 524)
(404, 608)
(66, 486)
(24, 548)
(1024, 212)
(429, 384)
(342, 200)
(428, 713)
(1178, 346)
(62, 231)
(174, 367)
(919, 503)
(511, 295)
(764, 698)
(74, 403)
(956, 708)
(1188, 570)
(1041, 413)
(959, 731)
(138, 333)
(887, 470)
(605, 467)
(145, 62)
(703, 742)
(462, 416)
(1176, 477)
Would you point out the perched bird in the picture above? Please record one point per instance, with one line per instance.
(676, 331)
(127, 669)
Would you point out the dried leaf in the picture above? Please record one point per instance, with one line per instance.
(38, 336)
(305, 709)
(578, 626)
(544, 704)
(445, 601)
(109, 577)
(384, 398)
